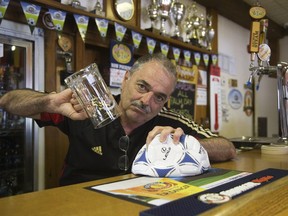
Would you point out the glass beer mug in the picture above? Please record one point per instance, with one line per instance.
(93, 95)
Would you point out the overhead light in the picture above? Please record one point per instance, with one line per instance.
(13, 48)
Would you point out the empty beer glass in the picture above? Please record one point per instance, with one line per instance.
(93, 95)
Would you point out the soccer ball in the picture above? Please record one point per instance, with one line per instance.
(31, 21)
(166, 159)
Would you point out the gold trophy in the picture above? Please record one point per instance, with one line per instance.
(188, 25)
(202, 32)
(195, 25)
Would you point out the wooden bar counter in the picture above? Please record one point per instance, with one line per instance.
(76, 200)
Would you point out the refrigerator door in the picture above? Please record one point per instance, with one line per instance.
(19, 139)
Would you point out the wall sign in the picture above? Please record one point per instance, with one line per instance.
(121, 53)
(182, 100)
(121, 60)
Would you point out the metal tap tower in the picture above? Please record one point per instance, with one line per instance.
(259, 49)
(281, 70)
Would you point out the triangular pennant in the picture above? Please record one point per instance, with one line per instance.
(214, 59)
(197, 58)
(58, 18)
(151, 43)
(137, 37)
(31, 12)
(176, 53)
(164, 49)
(206, 59)
(120, 31)
(3, 7)
(187, 55)
(102, 25)
(82, 24)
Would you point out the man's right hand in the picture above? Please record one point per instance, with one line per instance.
(66, 104)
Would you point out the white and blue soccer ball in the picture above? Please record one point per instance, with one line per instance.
(31, 21)
(166, 159)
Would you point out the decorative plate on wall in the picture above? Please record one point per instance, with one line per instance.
(235, 99)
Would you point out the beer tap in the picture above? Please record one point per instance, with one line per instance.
(253, 49)
(258, 42)
(259, 49)
(264, 52)
(254, 71)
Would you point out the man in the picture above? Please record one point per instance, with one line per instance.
(98, 153)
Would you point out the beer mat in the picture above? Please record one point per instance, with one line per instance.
(152, 191)
(208, 199)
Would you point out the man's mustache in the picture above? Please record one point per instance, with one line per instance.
(141, 106)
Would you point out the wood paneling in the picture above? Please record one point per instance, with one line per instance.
(56, 142)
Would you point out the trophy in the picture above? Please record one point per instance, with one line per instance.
(210, 33)
(195, 24)
(188, 25)
(202, 31)
(178, 11)
(98, 9)
(98, 6)
(164, 12)
(77, 4)
(188, 28)
(153, 12)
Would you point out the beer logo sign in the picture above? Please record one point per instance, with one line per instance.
(121, 53)
(214, 198)
(257, 12)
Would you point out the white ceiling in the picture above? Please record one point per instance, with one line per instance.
(277, 10)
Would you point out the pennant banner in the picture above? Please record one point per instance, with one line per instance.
(206, 59)
(197, 58)
(151, 43)
(102, 25)
(58, 18)
(214, 59)
(120, 31)
(31, 12)
(187, 55)
(164, 49)
(137, 38)
(82, 24)
(3, 7)
(176, 53)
